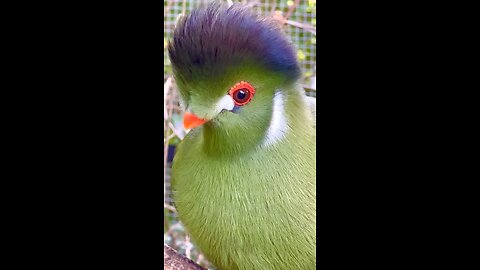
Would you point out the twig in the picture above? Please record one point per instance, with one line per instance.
(172, 260)
(173, 227)
(188, 247)
(308, 87)
(175, 131)
(184, 7)
(274, 5)
(169, 137)
(166, 89)
(306, 27)
(169, 207)
(176, 107)
(291, 9)
(199, 259)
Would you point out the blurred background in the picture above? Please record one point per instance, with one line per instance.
(298, 18)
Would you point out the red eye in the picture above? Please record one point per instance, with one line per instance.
(242, 93)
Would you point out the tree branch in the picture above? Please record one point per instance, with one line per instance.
(174, 261)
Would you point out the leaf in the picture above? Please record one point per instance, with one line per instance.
(301, 55)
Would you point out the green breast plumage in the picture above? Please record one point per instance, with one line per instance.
(255, 210)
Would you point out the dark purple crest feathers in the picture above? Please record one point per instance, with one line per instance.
(211, 39)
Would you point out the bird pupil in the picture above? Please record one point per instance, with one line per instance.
(241, 94)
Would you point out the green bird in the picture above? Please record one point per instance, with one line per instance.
(244, 176)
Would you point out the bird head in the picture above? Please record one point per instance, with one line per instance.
(229, 64)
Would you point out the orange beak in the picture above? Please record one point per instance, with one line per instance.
(190, 120)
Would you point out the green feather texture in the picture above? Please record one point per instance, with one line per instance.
(244, 183)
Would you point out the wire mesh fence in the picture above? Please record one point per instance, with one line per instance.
(300, 25)
(299, 20)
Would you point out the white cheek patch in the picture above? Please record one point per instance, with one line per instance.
(278, 124)
(226, 103)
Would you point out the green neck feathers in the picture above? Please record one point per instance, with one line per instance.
(284, 114)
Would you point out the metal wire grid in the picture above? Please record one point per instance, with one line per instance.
(301, 20)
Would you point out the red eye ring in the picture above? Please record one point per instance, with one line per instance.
(242, 93)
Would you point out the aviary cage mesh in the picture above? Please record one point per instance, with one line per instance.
(300, 25)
